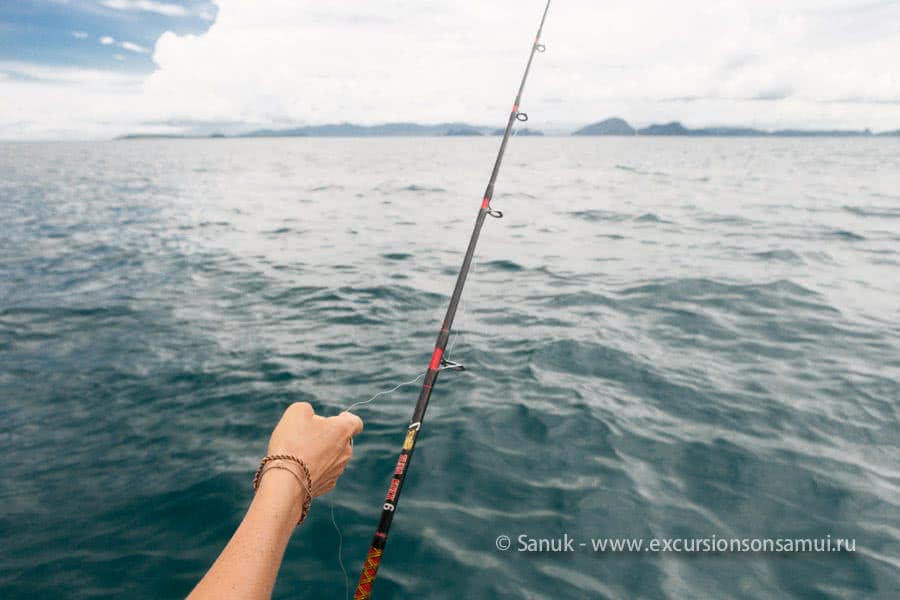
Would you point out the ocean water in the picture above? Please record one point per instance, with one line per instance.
(665, 338)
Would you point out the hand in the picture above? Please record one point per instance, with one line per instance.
(324, 444)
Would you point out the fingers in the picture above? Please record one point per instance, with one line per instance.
(324, 488)
(300, 410)
(349, 423)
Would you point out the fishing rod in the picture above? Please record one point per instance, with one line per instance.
(438, 361)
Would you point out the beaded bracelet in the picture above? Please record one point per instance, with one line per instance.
(308, 485)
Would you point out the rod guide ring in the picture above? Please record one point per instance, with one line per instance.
(451, 365)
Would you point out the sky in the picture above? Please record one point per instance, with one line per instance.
(94, 69)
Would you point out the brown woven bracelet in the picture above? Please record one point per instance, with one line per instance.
(308, 485)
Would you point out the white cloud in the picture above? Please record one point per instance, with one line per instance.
(107, 41)
(119, 57)
(162, 8)
(800, 63)
(42, 102)
(132, 47)
(73, 78)
(306, 61)
(81, 35)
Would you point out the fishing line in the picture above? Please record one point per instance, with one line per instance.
(341, 552)
(458, 336)
(464, 311)
(333, 519)
(384, 393)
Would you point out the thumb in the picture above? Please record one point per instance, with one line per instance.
(349, 422)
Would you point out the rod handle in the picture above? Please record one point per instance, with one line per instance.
(367, 577)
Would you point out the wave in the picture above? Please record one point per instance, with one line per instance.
(886, 212)
(779, 255)
(651, 218)
(595, 215)
(846, 235)
(501, 265)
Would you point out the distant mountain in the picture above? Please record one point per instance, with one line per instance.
(673, 128)
(167, 136)
(727, 132)
(613, 126)
(616, 126)
(523, 131)
(463, 131)
(820, 133)
(386, 130)
(608, 127)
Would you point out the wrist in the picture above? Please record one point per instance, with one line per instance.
(294, 467)
(280, 491)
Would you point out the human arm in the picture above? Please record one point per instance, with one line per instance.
(248, 566)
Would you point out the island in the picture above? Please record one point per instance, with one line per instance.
(619, 127)
(385, 130)
(614, 126)
(167, 136)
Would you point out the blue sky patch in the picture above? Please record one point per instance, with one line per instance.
(95, 34)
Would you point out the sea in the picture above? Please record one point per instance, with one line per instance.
(664, 339)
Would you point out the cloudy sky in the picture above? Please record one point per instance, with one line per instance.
(88, 69)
